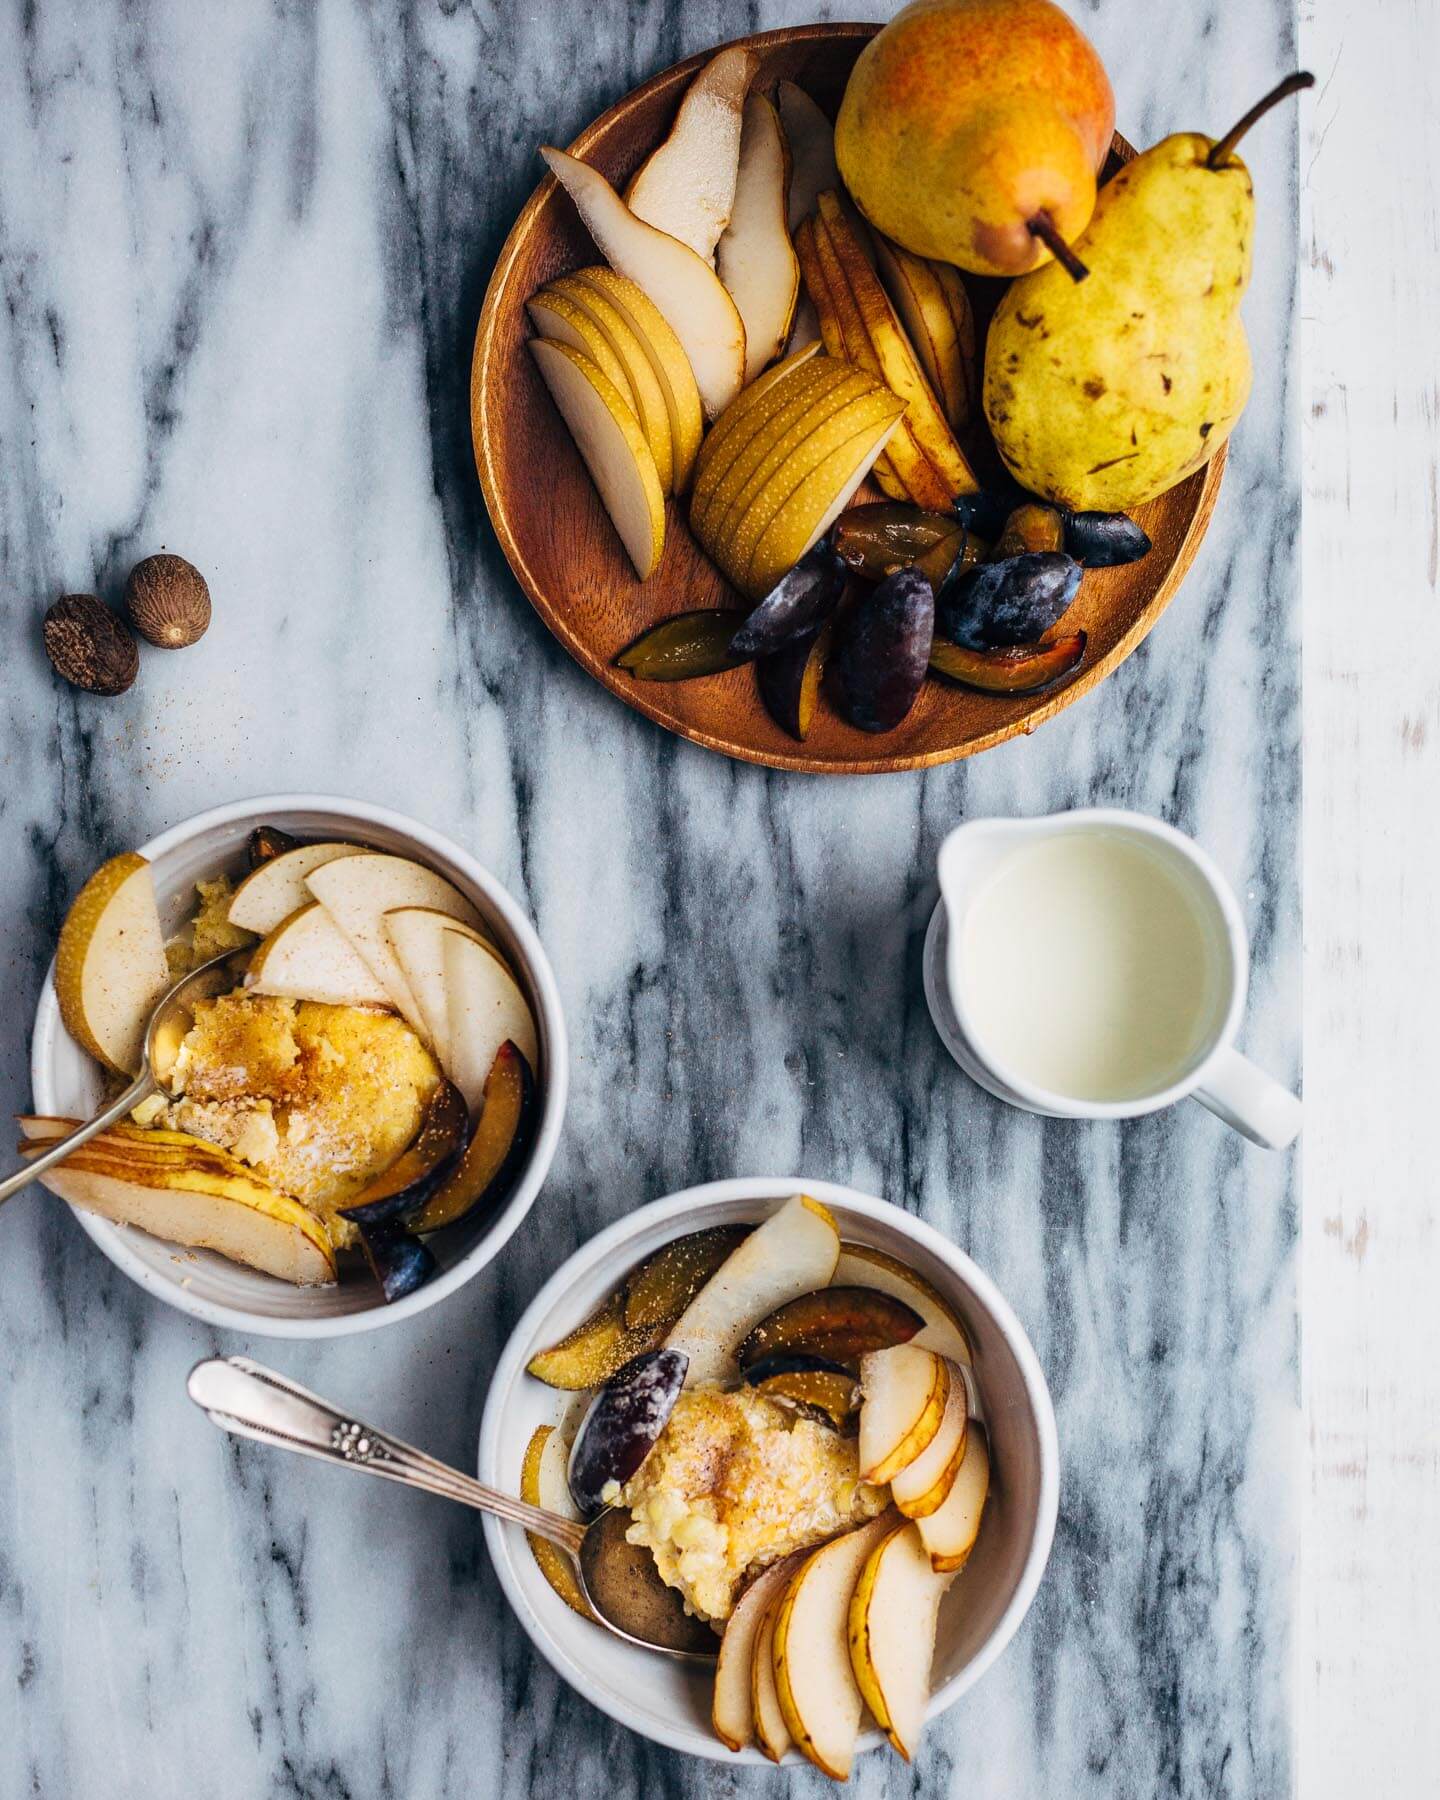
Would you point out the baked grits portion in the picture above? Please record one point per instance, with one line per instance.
(736, 1481)
(317, 1099)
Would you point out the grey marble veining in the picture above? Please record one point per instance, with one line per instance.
(242, 251)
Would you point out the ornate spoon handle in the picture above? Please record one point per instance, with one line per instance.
(248, 1400)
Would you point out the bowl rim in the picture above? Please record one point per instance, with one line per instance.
(487, 373)
(113, 1240)
(510, 1369)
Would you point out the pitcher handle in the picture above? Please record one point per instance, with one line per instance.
(1251, 1102)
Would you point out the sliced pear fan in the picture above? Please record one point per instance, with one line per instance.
(817, 501)
(268, 895)
(668, 362)
(818, 1691)
(922, 1486)
(732, 1710)
(568, 311)
(357, 892)
(950, 1532)
(904, 1395)
(608, 436)
(681, 284)
(687, 186)
(308, 957)
(893, 1616)
(755, 258)
(485, 1008)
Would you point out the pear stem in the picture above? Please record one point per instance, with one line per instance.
(1042, 226)
(1292, 84)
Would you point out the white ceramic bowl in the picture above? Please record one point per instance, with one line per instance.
(669, 1701)
(65, 1080)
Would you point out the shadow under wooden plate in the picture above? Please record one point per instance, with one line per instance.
(567, 558)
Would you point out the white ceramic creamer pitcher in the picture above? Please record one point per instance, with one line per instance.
(1094, 965)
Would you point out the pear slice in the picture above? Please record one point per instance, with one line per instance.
(110, 968)
(562, 318)
(308, 957)
(732, 1708)
(811, 138)
(894, 1612)
(937, 320)
(268, 895)
(922, 1486)
(357, 892)
(209, 1203)
(814, 505)
(746, 410)
(485, 1007)
(668, 361)
(861, 1265)
(916, 476)
(819, 298)
(949, 1533)
(772, 1734)
(755, 258)
(792, 1253)
(543, 1483)
(687, 186)
(901, 371)
(682, 285)
(864, 408)
(608, 436)
(417, 936)
(904, 1392)
(799, 407)
(646, 393)
(818, 1692)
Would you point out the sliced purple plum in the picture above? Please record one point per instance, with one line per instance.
(995, 605)
(622, 1423)
(798, 603)
(882, 649)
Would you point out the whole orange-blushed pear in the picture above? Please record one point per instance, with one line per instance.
(973, 131)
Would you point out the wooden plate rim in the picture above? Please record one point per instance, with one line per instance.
(632, 693)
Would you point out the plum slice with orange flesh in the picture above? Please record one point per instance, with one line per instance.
(405, 1185)
(809, 1381)
(840, 1324)
(665, 1283)
(1020, 670)
(622, 1423)
(497, 1146)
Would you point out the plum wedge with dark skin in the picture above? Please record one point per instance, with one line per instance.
(795, 607)
(639, 1313)
(594, 1350)
(1100, 540)
(686, 646)
(882, 646)
(1022, 669)
(267, 842)
(998, 604)
(837, 1324)
(622, 1423)
(497, 1148)
(404, 1187)
(789, 681)
(807, 1381)
(397, 1259)
(664, 1285)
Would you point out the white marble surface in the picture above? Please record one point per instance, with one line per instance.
(242, 251)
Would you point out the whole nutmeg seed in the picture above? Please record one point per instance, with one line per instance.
(168, 601)
(89, 645)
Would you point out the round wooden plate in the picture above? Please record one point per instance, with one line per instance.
(567, 558)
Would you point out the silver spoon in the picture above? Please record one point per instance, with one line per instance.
(168, 1024)
(619, 1580)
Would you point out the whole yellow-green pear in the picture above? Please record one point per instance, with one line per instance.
(973, 131)
(1107, 394)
